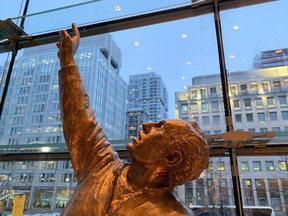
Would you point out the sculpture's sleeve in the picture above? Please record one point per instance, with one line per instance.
(84, 137)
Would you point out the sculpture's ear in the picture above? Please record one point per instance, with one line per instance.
(174, 158)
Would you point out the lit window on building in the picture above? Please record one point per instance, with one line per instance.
(244, 166)
(221, 166)
(282, 165)
(210, 166)
(256, 165)
(265, 86)
(286, 83)
(233, 90)
(254, 88)
(269, 165)
(247, 183)
(194, 107)
(184, 108)
(193, 94)
(276, 85)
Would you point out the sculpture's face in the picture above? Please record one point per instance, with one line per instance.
(153, 138)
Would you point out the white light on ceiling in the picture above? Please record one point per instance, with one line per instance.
(117, 8)
(184, 35)
(149, 68)
(236, 27)
(189, 62)
(136, 43)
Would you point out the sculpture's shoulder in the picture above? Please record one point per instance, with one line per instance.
(154, 205)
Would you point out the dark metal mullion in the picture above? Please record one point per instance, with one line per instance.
(228, 114)
(13, 57)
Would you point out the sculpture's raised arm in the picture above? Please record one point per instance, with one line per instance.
(82, 133)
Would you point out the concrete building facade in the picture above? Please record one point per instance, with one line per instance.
(259, 104)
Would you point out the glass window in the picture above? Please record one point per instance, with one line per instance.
(257, 165)
(247, 102)
(184, 108)
(233, 90)
(284, 115)
(258, 102)
(216, 119)
(213, 91)
(282, 100)
(263, 130)
(269, 165)
(273, 116)
(205, 120)
(236, 103)
(238, 117)
(282, 165)
(203, 92)
(193, 94)
(254, 87)
(244, 166)
(270, 101)
(215, 106)
(204, 107)
(266, 87)
(249, 117)
(261, 116)
(194, 107)
(220, 166)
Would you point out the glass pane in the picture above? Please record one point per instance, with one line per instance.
(95, 11)
(10, 9)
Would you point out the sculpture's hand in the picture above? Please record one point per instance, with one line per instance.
(68, 46)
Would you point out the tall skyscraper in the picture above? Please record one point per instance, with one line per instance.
(33, 92)
(147, 101)
(147, 91)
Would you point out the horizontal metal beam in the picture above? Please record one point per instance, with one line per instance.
(272, 150)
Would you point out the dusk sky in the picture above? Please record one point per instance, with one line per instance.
(176, 50)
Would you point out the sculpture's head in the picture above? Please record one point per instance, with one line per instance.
(175, 146)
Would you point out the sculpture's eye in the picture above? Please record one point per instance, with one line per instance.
(160, 125)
